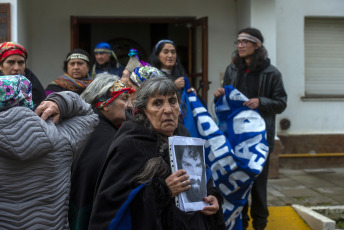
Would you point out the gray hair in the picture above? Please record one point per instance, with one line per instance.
(151, 88)
(99, 88)
(154, 167)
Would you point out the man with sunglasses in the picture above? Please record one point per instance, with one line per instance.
(252, 74)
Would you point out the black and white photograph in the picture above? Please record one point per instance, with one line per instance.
(188, 154)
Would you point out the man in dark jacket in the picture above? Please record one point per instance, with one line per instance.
(253, 75)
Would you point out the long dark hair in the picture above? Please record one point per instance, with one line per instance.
(177, 71)
(258, 57)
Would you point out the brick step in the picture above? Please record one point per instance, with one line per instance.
(311, 161)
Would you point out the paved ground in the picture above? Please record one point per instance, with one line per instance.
(307, 187)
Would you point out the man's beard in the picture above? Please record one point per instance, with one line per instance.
(194, 193)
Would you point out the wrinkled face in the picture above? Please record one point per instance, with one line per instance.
(13, 65)
(103, 58)
(115, 111)
(162, 112)
(77, 68)
(246, 48)
(167, 56)
(130, 84)
(125, 77)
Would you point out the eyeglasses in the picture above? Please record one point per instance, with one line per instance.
(242, 42)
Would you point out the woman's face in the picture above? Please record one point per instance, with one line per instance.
(77, 68)
(162, 112)
(167, 56)
(115, 111)
(13, 65)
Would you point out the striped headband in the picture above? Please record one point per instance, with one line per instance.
(244, 36)
(162, 41)
(78, 56)
(116, 90)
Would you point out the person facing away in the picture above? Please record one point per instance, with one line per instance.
(36, 155)
(192, 162)
(109, 98)
(106, 61)
(252, 74)
(75, 77)
(13, 58)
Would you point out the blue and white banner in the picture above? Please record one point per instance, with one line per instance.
(235, 153)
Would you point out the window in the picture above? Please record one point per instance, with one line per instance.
(324, 57)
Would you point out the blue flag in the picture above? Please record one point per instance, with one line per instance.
(235, 152)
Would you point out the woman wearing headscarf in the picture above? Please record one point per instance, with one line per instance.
(164, 57)
(106, 61)
(13, 58)
(36, 155)
(110, 98)
(75, 77)
(140, 155)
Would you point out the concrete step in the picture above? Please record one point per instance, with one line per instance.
(311, 161)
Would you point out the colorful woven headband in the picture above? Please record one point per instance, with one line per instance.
(15, 90)
(78, 56)
(139, 75)
(162, 41)
(116, 90)
(11, 48)
(244, 36)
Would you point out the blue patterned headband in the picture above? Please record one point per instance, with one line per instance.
(162, 41)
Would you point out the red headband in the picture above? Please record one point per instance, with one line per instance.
(11, 48)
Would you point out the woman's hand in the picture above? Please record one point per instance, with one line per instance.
(214, 205)
(191, 90)
(180, 82)
(48, 109)
(178, 182)
(219, 92)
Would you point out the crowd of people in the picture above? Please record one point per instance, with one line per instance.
(73, 153)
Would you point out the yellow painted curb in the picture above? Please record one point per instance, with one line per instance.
(284, 218)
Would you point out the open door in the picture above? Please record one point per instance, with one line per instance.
(198, 56)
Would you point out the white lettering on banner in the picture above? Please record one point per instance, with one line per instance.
(230, 223)
(248, 121)
(263, 149)
(215, 143)
(237, 176)
(235, 95)
(224, 189)
(192, 98)
(212, 126)
(242, 149)
(257, 165)
(198, 110)
(221, 166)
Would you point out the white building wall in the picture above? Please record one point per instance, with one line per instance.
(313, 116)
(47, 26)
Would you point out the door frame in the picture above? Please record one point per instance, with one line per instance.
(191, 23)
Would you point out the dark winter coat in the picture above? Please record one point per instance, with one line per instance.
(269, 89)
(85, 170)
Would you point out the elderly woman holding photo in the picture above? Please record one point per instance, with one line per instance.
(140, 155)
(110, 98)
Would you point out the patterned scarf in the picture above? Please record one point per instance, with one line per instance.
(15, 90)
(140, 74)
(117, 89)
(76, 85)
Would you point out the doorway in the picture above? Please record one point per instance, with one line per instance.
(124, 33)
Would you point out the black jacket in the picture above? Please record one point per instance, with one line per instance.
(85, 170)
(38, 93)
(133, 147)
(271, 93)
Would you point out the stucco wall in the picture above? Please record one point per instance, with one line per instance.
(313, 116)
(48, 28)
